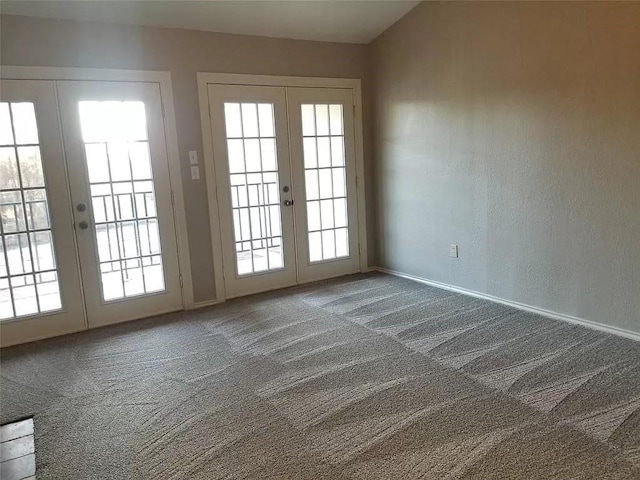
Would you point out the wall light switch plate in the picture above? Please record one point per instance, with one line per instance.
(193, 157)
(195, 173)
(453, 251)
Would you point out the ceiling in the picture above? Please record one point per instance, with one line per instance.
(325, 20)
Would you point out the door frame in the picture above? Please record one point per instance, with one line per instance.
(163, 79)
(207, 78)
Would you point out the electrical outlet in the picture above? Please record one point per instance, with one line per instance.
(195, 173)
(453, 251)
(193, 157)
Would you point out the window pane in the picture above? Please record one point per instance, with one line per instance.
(153, 276)
(30, 167)
(324, 162)
(328, 244)
(339, 183)
(315, 246)
(268, 149)
(232, 120)
(337, 151)
(249, 120)
(340, 212)
(335, 114)
(48, 290)
(9, 177)
(18, 253)
(24, 123)
(342, 242)
(325, 180)
(12, 212)
(252, 155)
(42, 246)
(310, 153)
(24, 295)
(326, 213)
(6, 298)
(6, 135)
(322, 120)
(112, 121)
(313, 216)
(119, 161)
(97, 162)
(236, 156)
(267, 123)
(37, 208)
(123, 198)
(255, 195)
(312, 184)
(308, 120)
(324, 152)
(3, 264)
(140, 160)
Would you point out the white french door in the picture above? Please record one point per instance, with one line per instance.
(88, 235)
(254, 188)
(40, 292)
(323, 151)
(285, 172)
(120, 189)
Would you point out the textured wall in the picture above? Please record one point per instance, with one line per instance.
(513, 130)
(63, 43)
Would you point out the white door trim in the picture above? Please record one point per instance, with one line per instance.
(206, 78)
(173, 156)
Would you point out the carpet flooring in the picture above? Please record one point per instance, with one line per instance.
(363, 377)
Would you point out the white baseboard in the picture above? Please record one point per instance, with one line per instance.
(621, 332)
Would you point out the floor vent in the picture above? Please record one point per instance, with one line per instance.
(17, 451)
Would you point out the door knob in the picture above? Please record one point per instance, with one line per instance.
(81, 207)
(83, 225)
(288, 203)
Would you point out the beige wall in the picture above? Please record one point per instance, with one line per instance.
(513, 130)
(63, 43)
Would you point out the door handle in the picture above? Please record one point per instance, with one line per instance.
(288, 203)
(83, 225)
(81, 207)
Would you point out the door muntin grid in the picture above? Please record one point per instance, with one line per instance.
(29, 283)
(254, 187)
(125, 219)
(325, 175)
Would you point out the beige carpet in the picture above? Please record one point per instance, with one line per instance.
(364, 377)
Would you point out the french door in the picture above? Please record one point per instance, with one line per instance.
(88, 235)
(285, 164)
(40, 292)
(121, 196)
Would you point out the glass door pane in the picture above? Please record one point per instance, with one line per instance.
(255, 187)
(28, 273)
(325, 181)
(125, 219)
